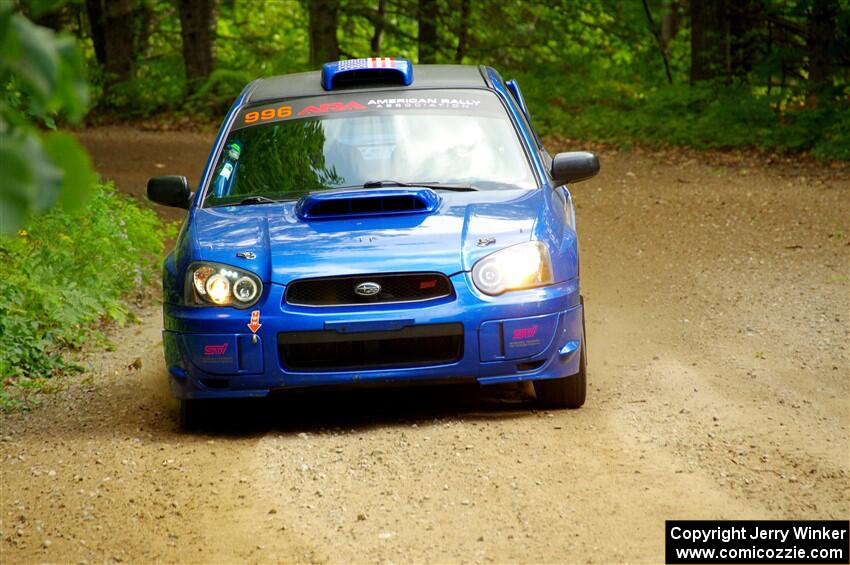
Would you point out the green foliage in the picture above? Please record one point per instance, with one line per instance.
(707, 116)
(64, 277)
(834, 142)
(155, 88)
(591, 70)
(219, 91)
(254, 39)
(41, 76)
(263, 38)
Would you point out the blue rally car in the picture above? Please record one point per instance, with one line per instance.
(375, 222)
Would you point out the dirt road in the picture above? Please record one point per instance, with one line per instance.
(717, 303)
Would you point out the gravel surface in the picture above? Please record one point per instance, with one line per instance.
(717, 305)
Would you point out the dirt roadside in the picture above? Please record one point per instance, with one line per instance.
(717, 300)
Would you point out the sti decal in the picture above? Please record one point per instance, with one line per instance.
(526, 333)
(215, 349)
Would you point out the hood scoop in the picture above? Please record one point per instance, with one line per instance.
(364, 203)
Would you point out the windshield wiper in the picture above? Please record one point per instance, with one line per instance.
(434, 185)
(261, 200)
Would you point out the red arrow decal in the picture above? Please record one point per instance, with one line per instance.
(255, 321)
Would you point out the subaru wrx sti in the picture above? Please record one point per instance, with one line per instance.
(371, 223)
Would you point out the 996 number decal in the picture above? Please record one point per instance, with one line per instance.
(279, 113)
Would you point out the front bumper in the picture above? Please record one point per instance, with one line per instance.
(523, 335)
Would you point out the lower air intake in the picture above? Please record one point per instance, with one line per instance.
(329, 350)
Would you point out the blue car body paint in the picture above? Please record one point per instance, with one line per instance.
(211, 352)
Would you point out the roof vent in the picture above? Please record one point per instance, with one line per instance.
(361, 203)
(375, 70)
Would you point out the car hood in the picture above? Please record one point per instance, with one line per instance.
(464, 227)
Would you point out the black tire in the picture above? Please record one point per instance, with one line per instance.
(566, 392)
(189, 414)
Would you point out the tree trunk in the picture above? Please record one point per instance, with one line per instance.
(746, 35)
(427, 31)
(657, 35)
(463, 31)
(669, 22)
(119, 39)
(821, 37)
(324, 45)
(378, 35)
(709, 38)
(97, 23)
(197, 28)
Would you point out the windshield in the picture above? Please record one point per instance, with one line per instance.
(287, 149)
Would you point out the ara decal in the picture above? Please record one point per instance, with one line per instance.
(330, 107)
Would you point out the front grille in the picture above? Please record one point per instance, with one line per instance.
(329, 350)
(340, 291)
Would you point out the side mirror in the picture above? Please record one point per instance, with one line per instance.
(170, 190)
(574, 166)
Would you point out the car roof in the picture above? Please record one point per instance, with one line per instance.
(310, 83)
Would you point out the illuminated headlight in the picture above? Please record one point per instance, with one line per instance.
(245, 290)
(221, 285)
(218, 289)
(514, 268)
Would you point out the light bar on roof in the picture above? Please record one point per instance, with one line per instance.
(389, 70)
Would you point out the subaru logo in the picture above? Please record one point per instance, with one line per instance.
(367, 289)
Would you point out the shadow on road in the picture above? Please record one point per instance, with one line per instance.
(133, 404)
(299, 411)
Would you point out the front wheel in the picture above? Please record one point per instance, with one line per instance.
(566, 392)
(189, 414)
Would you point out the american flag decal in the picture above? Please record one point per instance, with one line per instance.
(380, 62)
(370, 63)
(393, 69)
